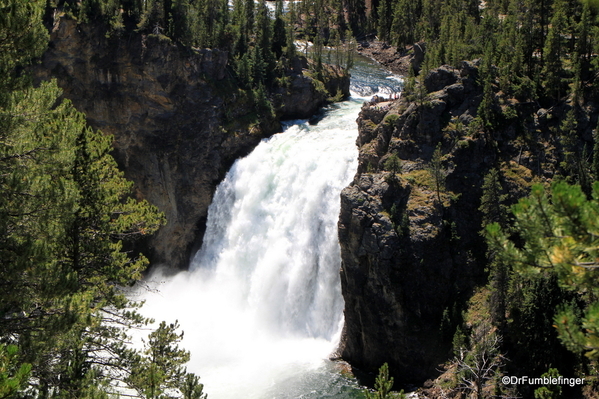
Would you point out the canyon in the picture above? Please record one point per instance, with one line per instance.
(177, 115)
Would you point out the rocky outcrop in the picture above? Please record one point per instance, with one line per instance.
(406, 257)
(396, 60)
(411, 249)
(176, 114)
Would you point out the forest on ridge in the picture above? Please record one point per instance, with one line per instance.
(69, 221)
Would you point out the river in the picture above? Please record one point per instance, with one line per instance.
(261, 304)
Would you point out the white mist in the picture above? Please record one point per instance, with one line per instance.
(261, 304)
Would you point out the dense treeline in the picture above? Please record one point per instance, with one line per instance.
(540, 50)
(66, 221)
(256, 41)
(538, 312)
(260, 42)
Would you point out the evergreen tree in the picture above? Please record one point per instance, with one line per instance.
(13, 374)
(491, 202)
(290, 49)
(595, 162)
(403, 28)
(383, 386)
(249, 14)
(24, 38)
(557, 233)
(279, 34)
(181, 27)
(384, 20)
(486, 108)
(554, 51)
(159, 372)
(266, 61)
(584, 31)
(574, 162)
(438, 173)
(152, 17)
(66, 219)
(494, 211)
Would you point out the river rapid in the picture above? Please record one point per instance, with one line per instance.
(261, 303)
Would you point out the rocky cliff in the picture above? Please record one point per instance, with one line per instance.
(176, 114)
(411, 248)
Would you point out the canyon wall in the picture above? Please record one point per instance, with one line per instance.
(177, 115)
(412, 250)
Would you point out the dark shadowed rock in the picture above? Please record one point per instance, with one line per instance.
(440, 78)
(177, 117)
(405, 256)
(412, 255)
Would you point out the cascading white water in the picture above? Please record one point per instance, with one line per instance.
(261, 301)
(261, 305)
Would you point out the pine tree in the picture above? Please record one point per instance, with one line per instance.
(64, 218)
(403, 27)
(152, 18)
(24, 39)
(263, 27)
(384, 20)
(159, 371)
(290, 49)
(568, 138)
(486, 108)
(181, 27)
(13, 374)
(557, 233)
(279, 34)
(554, 52)
(437, 172)
(491, 202)
(595, 162)
(584, 30)
(249, 16)
(494, 211)
(383, 386)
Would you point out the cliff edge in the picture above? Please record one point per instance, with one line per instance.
(410, 223)
(177, 116)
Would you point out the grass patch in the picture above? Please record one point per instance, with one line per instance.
(478, 308)
(518, 174)
(419, 178)
(420, 199)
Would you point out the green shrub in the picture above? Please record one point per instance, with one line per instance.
(392, 164)
(390, 119)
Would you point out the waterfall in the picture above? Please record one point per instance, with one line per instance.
(261, 305)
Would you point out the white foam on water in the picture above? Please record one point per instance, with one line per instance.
(261, 302)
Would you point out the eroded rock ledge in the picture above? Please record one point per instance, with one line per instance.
(177, 117)
(402, 265)
(411, 257)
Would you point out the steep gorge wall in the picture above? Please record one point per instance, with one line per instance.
(409, 261)
(401, 264)
(177, 117)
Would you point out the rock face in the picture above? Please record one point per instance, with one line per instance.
(177, 118)
(401, 262)
(396, 60)
(411, 249)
